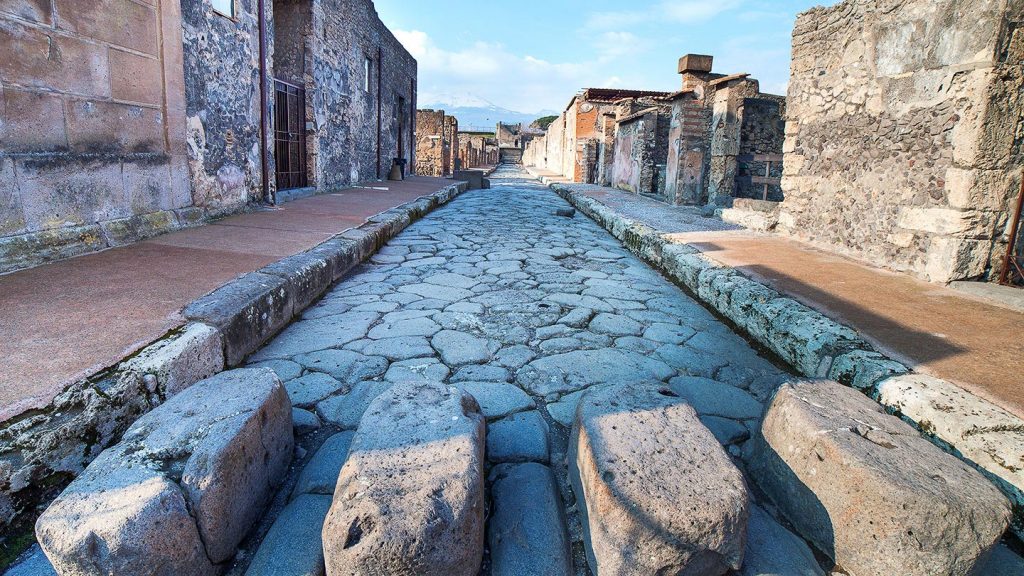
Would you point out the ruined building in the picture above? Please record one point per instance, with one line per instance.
(122, 120)
(717, 138)
(905, 133)
(436, 143)
(477, 150)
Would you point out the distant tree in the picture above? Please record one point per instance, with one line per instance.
(543, 123)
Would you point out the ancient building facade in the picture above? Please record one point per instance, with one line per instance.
(717, 138)
(434, 143)
(122, 120)
(905, 131)
(477, 150)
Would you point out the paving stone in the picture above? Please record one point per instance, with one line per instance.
(774, 551)
(293, 546)
(521, 437)
(514, 357)
(669, 333)
(615, 325)
(304, 421)
(689, 361)
(526, 530)
(657, 493)
(417, 370)
(285, 369)
(564, 410)
(578, 301)
(452, 280)
(482, 373)
(344, 365)
(498, 399)
(412, 327)
(727, 431)
(33, 562)
(434, 292)
(1002, 562)
(868, 490)
(320, 474)
(346, 410)
(311, 335)
(575, 370)
(312, 388)
(402, 348)
(560, 345)
(711, 398)
(457, 348)
(410, 498)
(184, 485)
(636, 344)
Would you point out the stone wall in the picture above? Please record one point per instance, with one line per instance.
(904, 132)
(223, 104)
(641, 143)
(477, 150)
(92, 130)
(357, 130)
(762, 131)
(430, 143)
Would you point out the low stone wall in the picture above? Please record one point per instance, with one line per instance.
(42, 451)
(969, 427)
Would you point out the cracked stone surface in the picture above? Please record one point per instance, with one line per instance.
(526, 310)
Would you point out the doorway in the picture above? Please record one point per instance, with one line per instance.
(290, 135)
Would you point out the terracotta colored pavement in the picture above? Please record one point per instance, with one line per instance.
(934, 329)
(65, 321)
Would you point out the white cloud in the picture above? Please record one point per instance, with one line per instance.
(491, 72)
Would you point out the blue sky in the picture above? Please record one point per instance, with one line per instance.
(532, 55)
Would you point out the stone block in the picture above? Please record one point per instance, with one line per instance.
(293, 546)
(307, 274)
(33, 10)
(475, 178)
(124, 231)
(521, 437)
(696, 63)
(32, 122)
(952, 259)
(12, 219)
(862, 369)
(102, 126)
(27, 250)
(25, 61)
(135, 78)
(247, 311)
(657, 493)
(73, 193)
(119, 22)
(867, 490)
(410, 498)
(195, 353)
(341, 255)
(320, 474)
(526, 530)
(182, 488)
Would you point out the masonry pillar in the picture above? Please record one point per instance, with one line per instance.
(725, 145)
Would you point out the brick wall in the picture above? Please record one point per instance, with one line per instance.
(904, 135)
(92, 140)
(687, 150)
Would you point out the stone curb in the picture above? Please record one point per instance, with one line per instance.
(42, 450)
(973, 429)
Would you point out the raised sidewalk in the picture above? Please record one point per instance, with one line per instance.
(943, 360)
(68, 320)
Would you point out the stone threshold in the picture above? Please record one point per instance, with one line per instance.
(975, 430)
(42, 450)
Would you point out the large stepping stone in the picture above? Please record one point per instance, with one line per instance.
(573, 371)
(526, 530)
(293, 546)
(410, 497)
(183, 487)
(657, 493)
(868, 490)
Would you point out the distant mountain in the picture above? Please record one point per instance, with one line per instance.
(475, 113)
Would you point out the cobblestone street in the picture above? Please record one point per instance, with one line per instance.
(525, 309)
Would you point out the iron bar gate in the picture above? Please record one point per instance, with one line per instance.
(290, 135)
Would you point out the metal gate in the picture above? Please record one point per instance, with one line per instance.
(290, 136)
